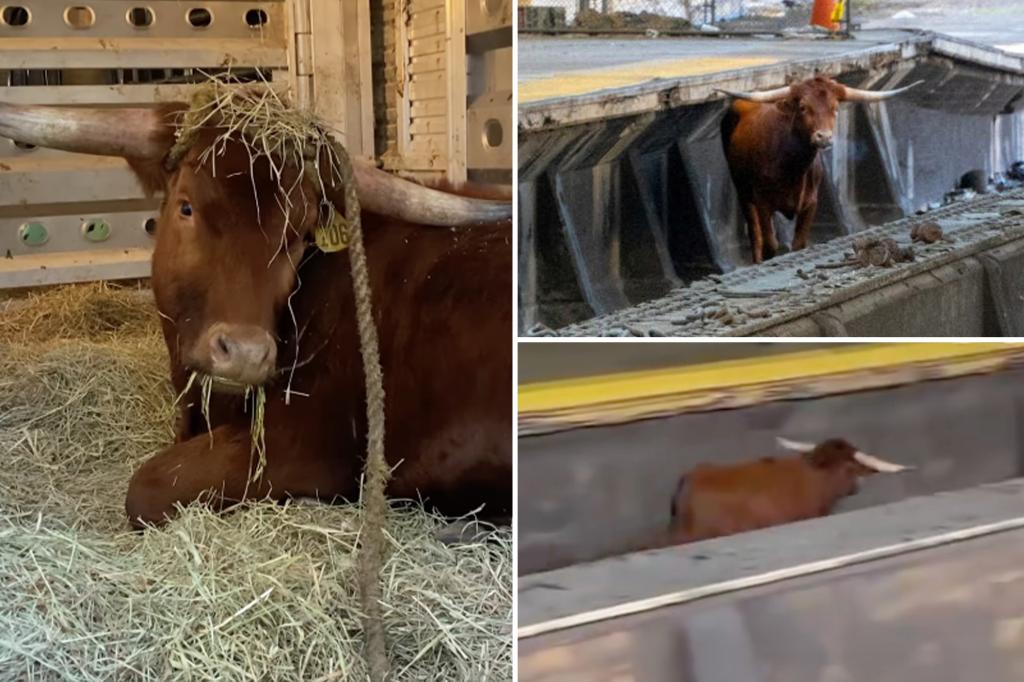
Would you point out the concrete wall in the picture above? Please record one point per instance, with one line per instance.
(593, 492)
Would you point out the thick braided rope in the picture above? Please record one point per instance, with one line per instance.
(376, 472)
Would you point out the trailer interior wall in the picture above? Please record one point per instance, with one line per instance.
(72, 217)
(621, 210)
(601, 491)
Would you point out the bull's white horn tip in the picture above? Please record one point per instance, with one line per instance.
(880, 465)
(794, 444)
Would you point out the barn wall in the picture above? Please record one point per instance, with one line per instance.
(448, 89)
(427, 88)
(70, 217)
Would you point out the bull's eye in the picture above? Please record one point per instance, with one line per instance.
(185, 209)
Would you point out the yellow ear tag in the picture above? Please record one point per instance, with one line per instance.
(334, 235)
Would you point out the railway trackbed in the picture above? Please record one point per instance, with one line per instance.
(804, 290)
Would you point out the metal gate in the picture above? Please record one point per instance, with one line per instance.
(441, 110)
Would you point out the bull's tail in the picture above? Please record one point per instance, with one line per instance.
(676, 496)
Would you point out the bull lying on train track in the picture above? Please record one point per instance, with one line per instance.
(247, 298)
(714, 500)
(772, 139)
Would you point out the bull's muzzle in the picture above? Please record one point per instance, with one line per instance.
(822, 139)
(238, 355)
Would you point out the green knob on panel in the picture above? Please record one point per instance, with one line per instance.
(96, 230)
(33, 234)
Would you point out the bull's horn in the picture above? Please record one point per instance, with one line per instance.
(761, 96)
(795, 444)
(879, 465)
(856, 95)
(107, 132)
(134, 133)
(393, 196)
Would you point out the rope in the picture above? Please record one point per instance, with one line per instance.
(376, 472)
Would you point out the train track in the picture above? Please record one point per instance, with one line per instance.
(754, 299)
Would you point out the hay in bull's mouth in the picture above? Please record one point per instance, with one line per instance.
(256, 408)
(267, 592)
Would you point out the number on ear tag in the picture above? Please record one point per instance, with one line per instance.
(333, 236)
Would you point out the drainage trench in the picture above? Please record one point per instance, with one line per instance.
(600, 491)
(627, 219)
(915, 577)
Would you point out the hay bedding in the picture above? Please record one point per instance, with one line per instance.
(268, 592)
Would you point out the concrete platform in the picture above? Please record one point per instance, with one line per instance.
(565, 80)
(645, 581)
(945, 614)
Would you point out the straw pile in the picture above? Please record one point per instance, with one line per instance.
(267, 592)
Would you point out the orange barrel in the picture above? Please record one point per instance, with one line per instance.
(822, 14)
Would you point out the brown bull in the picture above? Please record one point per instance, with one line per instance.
(772, 140)
(715, 500)
(247, 299)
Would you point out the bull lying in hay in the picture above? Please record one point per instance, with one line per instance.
(267, 592)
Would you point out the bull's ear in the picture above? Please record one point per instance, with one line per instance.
(788, 105)
(152, 171)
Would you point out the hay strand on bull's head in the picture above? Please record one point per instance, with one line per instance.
(267, 592)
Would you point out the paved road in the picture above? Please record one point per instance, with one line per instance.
(999, 23)
(544, 56)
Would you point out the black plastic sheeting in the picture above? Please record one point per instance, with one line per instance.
(620, 211)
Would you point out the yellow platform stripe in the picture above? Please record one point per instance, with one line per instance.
(591, 80)
(630, 395)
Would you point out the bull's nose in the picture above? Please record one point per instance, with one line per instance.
(822, 139)
(242, 354)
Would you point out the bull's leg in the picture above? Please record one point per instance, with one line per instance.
(802, 230)
(190, 470)
(750, 212)
(219, 475)
(768, 230)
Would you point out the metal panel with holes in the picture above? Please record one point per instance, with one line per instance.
(69, 217)
(426, 85)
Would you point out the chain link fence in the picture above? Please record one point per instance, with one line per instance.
(665, 15)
